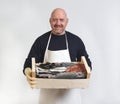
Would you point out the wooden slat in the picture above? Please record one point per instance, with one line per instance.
(33, 67)
(62, 83)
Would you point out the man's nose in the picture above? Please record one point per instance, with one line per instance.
(58, 22)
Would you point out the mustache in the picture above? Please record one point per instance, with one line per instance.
(58, 25)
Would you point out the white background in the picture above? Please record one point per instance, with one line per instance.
(97, 22)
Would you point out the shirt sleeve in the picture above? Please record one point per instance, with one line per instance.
(35, 51)
(83, 52)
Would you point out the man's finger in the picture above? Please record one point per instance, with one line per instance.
(32, 86)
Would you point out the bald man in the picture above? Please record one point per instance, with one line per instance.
(49, 47)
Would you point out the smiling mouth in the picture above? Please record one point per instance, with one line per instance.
(58, 26)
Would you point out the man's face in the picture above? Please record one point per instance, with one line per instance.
(58, 22)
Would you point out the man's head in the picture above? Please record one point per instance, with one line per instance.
(58, 21)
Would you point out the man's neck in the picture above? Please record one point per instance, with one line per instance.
(58, 33)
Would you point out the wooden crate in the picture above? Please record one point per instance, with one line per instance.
(63, 83)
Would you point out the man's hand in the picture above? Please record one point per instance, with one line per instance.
(31, 80)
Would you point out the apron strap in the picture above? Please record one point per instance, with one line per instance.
(66, 41)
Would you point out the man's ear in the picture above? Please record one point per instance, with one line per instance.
(67, 21)
(49, 20)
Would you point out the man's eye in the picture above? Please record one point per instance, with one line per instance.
(54, 19)
(61, 20)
